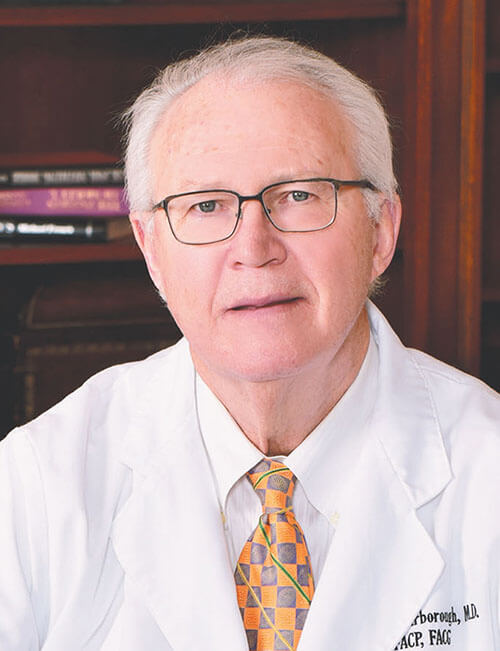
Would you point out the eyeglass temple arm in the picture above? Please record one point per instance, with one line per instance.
(363, 183)
(160, 204)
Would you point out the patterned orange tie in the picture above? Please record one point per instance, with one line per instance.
(273, 575)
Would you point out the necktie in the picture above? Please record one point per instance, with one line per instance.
(274, 582)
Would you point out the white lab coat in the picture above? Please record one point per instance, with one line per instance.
(111, 535)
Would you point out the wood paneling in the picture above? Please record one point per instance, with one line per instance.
(471, 178)
(490, 335)
(491, 233)
(417, 173)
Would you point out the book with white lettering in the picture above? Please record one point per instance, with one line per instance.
(61, 176)
(59, 168)
(102, 201)
(35, 228)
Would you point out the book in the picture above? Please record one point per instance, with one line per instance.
(59, 168)
(35, 228)
(100, 201)
(61, 176)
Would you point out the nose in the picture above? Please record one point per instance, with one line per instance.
(256, 242)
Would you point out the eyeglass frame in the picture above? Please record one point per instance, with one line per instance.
(337, 184)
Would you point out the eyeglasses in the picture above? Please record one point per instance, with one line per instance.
(297, 206)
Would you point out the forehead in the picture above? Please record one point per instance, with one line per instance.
(225, 123)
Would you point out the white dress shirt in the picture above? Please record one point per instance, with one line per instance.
(321, 463)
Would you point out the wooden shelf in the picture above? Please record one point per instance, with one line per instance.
(121, 250)
(198, 12)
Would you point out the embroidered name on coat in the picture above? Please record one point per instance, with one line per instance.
(436, 627)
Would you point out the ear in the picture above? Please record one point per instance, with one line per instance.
(143, 229)
(386, 231)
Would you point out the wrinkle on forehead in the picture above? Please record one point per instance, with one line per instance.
(200, 124)
(291, 142)
(200, 104)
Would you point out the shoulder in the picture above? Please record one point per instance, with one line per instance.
(462, 402)
(114, 393)
(424, 386)
(468, 415)
(467, 412)
(436, 422)
(82, 435)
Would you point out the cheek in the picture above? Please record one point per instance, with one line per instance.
(340, 271)
(358, 247)
(188, 284)
(341, 262)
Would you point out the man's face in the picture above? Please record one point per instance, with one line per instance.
(264, 304)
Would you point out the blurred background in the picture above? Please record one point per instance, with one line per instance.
(72, 306)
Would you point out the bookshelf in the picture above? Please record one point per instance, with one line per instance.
(60, 39)
(38, 254)
(68, 71)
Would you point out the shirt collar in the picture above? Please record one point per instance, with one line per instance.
(321, 462)
(229, 451)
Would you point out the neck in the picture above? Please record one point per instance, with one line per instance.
(277, 415)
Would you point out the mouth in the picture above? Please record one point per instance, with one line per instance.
(269, 302)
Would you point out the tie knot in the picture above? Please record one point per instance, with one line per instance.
(274, 483)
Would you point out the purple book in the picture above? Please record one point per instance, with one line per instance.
(101, 201)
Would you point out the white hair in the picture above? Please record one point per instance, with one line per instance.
(267, 59)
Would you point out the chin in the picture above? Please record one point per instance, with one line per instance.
(266, 365)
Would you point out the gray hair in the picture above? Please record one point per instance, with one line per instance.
(264, 58)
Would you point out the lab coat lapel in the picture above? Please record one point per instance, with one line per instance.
(380, 569)
(169, 536)
(382, 564)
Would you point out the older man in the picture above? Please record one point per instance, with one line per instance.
(289, 475)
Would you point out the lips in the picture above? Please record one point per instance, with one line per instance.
(265, 302)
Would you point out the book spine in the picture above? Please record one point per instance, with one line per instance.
(89, 230)
(61, 177)
(53, 202)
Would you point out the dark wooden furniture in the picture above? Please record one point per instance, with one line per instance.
(67, 72)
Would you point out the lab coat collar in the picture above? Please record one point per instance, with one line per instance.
(169, 536)
(405, 418)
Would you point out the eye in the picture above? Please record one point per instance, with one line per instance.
(300, 195)
(206, 206)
